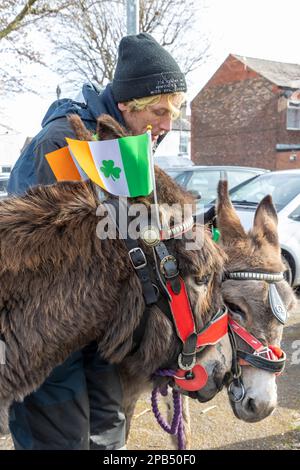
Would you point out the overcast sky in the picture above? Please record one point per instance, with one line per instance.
(254, 28)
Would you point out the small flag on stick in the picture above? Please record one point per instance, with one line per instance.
(120, 166)
(62, 165)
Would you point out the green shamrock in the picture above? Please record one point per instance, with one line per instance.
(109, 170)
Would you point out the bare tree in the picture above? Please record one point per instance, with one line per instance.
(18, 20)
(91, 30)
(86, 33)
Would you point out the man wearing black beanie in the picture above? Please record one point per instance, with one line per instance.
(145, 68)
(80, 405)
(148, 85)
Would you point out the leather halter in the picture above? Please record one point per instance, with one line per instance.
(162, 285)
(277, 306)
(269, 358)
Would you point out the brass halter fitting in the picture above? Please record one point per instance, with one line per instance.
(150, 235)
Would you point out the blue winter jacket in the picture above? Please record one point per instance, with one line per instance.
(32, 168)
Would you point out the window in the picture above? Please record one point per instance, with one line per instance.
(184, 143)
(6, 169)
(205, 183)
(237, 177)
(182, 178)
(293, 115)
(282, 187)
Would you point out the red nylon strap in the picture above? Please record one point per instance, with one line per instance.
(181, 311)
(247, 337)
(214, 332)
(273, 353)
(184, 320)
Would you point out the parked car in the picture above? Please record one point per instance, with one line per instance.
(3, 185)
(203, 180)
(174, 164)
(284, 187)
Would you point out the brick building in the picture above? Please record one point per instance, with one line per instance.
(248, 114)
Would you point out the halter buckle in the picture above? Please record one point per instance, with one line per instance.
(137, 258)
(168, 267)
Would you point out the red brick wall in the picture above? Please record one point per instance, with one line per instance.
(283, 161)
(238, 118)
(232, 70)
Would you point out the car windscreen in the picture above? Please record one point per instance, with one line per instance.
(173, 172)
(282, 187)
(205, 181)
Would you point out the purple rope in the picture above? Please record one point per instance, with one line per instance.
(177, 426)
(165, 372)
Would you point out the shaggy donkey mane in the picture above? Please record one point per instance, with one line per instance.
(32, 226)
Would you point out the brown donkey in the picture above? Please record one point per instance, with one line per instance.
(62, 287)
(258, 299)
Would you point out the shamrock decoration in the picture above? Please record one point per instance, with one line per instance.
(109, 169)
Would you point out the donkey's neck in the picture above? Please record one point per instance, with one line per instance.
(48, 314)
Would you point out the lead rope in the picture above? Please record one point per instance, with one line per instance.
(176, 427)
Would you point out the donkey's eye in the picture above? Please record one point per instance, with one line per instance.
(200, 281)
(235, 309)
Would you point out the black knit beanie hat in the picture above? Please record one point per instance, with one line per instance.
(145, 68)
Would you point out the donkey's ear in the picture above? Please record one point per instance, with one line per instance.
(228, 221)
(266, 221)
(82, 133)
(108, 128)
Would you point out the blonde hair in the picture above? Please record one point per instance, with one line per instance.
(139, 104)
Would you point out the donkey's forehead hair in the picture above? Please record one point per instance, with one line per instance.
(248, 253)
(200, 256)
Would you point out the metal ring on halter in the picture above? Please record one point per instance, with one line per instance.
(173, 271)
(233, 396)
(182, 366)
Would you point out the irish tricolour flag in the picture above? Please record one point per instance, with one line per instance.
(121, 166)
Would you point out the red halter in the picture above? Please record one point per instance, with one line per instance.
(196, 376)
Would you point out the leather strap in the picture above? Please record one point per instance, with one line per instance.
(269, 365)
(168, 267)
(135, 252)
(266, 358)
(187, 357)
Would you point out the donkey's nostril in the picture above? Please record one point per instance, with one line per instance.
(251, 406)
